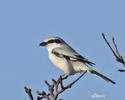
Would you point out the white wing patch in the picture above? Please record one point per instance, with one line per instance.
(72, 56)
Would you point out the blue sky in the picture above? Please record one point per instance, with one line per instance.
(26, 23)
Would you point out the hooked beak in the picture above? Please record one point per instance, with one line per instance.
(43, 44)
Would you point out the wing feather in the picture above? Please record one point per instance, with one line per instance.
(70, 55)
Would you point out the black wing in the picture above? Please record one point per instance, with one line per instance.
(72, 58)
(81, 58)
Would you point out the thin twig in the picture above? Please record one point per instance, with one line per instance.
(121, 70)
(68, 86)
(50, 88)
(53, 89)
(119, 58)
(43, 94)
(109, 45)
(61, 83)
(116, 53)
(28, 91)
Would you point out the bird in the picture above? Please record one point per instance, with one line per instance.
(65, 58)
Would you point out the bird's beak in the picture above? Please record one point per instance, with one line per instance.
(43, 44)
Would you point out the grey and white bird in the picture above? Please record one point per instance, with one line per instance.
(67, 59)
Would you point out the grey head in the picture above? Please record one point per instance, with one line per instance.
(52, 40)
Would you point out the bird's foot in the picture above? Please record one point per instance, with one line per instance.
(64, 76)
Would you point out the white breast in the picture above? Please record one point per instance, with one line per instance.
(62, 64)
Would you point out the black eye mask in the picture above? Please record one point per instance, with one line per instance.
(54, 41)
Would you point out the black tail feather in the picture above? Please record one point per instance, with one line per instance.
(102, 76)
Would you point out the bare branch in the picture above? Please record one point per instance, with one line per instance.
(28, 91)
(50, 88)
(43, 94)
(121, 70)
(53, 89)
(68, 86)
(116, 53)
(109, 45)
(119, 57)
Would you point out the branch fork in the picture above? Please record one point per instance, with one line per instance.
(116, 53)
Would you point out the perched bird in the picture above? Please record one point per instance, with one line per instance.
(67, 59)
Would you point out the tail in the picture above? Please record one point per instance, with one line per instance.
(102, 76)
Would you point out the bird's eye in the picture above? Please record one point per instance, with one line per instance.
(51, 41)
(57, 41)
(54, 41)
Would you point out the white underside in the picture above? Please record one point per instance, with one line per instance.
(69, 67)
